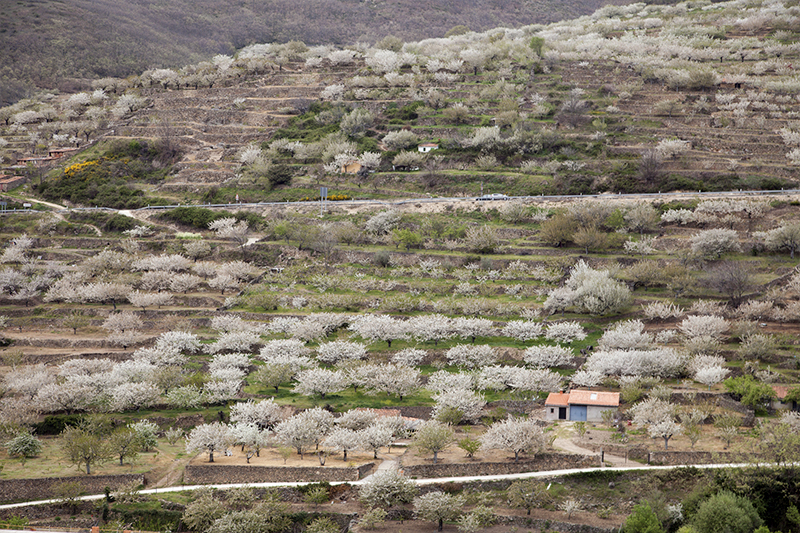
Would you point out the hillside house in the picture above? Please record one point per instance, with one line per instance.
(9, 182)
(351, 167)
(780, 402)
(56, 153)
(37, 162)
(580, 405)
(427, 147)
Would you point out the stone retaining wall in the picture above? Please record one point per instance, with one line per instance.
(543, 462)
(207, 473)
(14, 490)
(697, 458)
(662, 457)
(540, 524)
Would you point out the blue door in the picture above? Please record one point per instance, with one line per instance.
(577, 413)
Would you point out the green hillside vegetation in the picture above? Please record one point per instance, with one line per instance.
(155, 339)
(64, 45)
(630, 99)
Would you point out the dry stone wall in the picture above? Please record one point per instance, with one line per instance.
(543, 462)
(15, 490)
(208, 474)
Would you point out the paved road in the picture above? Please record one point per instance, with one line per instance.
(401, 201)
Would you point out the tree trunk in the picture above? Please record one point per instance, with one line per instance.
(516, 456)
(441, 524)
(344, 458)
(435, 457)
(88, 468)
(211, 457)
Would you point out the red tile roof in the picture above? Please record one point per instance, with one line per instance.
(557, 398)
(583, 397)
(587, 397)
(781, 391)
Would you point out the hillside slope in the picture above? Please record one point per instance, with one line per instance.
(57, 44)
(638, 98)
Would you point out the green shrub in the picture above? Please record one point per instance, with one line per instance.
(725, 512)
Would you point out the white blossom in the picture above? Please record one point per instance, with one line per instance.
(320, 381)
(468, 402)
(660, 362)
(208, 438)
(264, 414)
(548, 356)
(409, 357)
(234, 341)
(335, 351)
(565, 332)
(523, 330)
(516, 435)
(379, 328)
(471, 356)
(703, 326)
(625, 335)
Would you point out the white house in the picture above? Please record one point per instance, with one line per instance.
(427, 147)
(580, 405)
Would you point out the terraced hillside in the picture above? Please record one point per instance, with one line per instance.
(641, 98)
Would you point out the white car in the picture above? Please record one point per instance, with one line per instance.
(493, 196)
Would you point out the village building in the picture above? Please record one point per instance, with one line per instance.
(580, 405)
(427, 147)
(780, 402)
(9, 182)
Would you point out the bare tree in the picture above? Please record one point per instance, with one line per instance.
(733, 279)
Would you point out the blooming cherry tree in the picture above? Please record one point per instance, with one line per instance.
(335, 351)
(565, 332)
(208, 438)
(516, 435)
(471, 356)
(377, 328)
(320, 381)
(523, 330)
(548, 356)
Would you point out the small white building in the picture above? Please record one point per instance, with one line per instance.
(580, 405)
(780, 402)
(427, 147)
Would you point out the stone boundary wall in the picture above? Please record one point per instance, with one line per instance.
(543, 462)
(670, 458)
(635, 453)
(13, 490)
(205, 474)
(697, 458)
(526, 522)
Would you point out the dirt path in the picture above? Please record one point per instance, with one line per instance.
(565, 441)
(173, 474)
(48, 204)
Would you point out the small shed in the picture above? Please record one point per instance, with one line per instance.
(780, 402)
(427, 147)
(351, 167)
(9, 182)
(580, 405)
(557, 405)
(60, 152)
